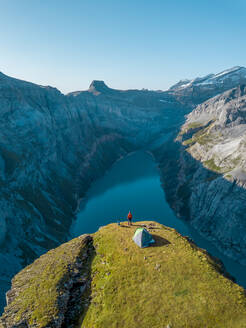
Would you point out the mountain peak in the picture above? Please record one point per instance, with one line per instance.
(98, 86)
(234, 76)
(2, 75)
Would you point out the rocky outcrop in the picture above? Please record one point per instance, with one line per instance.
(52, 146)
(208, 171)
(49, 292)
(106, 278)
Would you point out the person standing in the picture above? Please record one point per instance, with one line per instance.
(129, 218)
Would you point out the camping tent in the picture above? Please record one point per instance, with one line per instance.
(142, 238)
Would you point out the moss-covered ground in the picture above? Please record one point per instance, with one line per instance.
(190, 126)
(210, 164)
(172, 283)
(39, 286)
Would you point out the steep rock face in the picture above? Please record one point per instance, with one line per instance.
(208, 185)
(48, 292)
(53, 146)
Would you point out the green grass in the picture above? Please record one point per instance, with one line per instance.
(173, 282)
(228, 176)
(194, 125)
(189, 142)
(202, 136)
(205, 139)
(190, 126)
(210, 164)
(186, 291)
(41, 283)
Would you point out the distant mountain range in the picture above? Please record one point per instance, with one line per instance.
(235, 74)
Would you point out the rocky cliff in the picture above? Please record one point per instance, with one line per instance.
(52, 146)
(209, 171)
(106, 280)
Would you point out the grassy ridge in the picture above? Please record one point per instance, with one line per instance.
(172, 283)
(37, 290)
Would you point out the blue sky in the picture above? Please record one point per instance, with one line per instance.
(128, 44)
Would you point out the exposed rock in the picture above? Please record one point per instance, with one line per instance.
(202, 88)
(53, 146)
(207, 170)
(62, 286)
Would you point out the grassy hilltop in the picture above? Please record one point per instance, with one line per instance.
(121, 285)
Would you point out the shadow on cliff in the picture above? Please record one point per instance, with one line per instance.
(214, 205)
(179, 172)
(80, 294)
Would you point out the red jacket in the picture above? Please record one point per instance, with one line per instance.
(129, 216)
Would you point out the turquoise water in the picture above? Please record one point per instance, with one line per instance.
(133, 183)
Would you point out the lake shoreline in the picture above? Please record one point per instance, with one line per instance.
(134, 182)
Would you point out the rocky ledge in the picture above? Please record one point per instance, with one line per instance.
(105, 279)
(48, 293)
